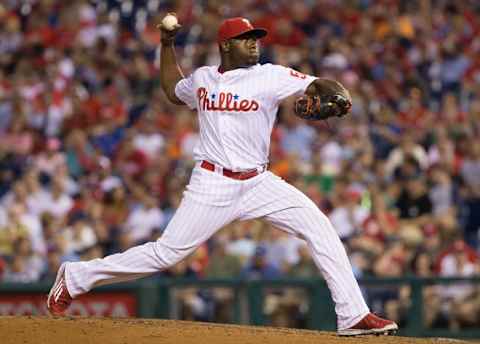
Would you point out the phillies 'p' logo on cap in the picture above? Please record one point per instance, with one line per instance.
(234, 27)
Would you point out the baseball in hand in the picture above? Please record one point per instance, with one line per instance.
(169, 22)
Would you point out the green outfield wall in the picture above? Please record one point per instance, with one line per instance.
(155, 298)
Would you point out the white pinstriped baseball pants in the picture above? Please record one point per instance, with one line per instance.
(210, 202)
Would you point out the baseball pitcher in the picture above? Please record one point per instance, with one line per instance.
(237, 103)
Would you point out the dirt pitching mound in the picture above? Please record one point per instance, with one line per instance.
(76, 330)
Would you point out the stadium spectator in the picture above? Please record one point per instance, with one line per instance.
(349, 217)
(79, 235)
(259, 268)
(143, 219)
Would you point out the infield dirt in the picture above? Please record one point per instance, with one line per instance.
(76, 330)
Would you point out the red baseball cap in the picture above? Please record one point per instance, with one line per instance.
(234, 27)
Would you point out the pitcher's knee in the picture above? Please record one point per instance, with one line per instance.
(168, 255)
(311, 221)
(311, 216)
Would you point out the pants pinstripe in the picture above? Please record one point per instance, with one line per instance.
(212, 201)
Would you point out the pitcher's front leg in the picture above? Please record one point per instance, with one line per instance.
(192, 224)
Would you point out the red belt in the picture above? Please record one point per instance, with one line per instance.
(230, 174)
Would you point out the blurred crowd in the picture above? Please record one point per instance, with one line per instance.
(94, 159)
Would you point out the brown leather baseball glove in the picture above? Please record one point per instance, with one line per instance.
(317, 107)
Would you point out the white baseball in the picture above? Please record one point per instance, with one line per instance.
(169, 22)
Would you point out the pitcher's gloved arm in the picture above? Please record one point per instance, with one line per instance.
(324, 98)
(323, 86)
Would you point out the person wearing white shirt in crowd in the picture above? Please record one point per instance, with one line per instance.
(408, 148)
(28, 219)
(17, 193)
(143, 219)
(79, 236)
(282, 250)
(350, 215)
(457, 264)
(37, 195)
(241, 243)
(148, 139)
(50, 159)
(108, 181)
(58, 201)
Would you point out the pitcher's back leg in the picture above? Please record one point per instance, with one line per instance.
(290, 210)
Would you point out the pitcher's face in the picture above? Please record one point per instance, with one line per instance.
(245, 49)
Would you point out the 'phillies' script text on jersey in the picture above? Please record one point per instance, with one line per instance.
(226, 102)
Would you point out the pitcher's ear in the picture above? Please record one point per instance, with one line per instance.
(225, 46)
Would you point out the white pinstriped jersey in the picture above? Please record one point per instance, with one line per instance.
(237, 110)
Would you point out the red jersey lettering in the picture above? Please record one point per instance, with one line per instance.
(225, 101)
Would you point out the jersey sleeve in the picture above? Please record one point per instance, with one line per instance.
(289, 82)
(185, 91)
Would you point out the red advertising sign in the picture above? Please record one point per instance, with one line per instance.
(114, 304)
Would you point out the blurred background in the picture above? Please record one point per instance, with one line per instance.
(94, 159)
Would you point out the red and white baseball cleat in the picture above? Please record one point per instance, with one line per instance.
(58, 298)
(370, 324)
